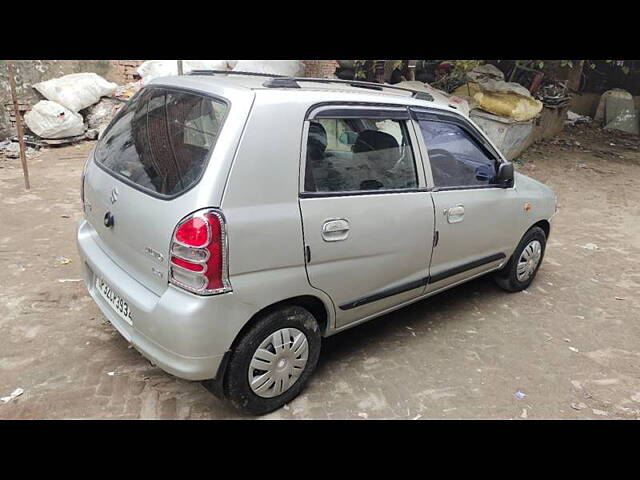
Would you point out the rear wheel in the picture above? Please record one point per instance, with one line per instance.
(521, 269)
(272, 362)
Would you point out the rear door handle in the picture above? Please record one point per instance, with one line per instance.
(335, 230)
(455, 213)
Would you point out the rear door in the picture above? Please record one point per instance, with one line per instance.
(142, 171)
(367, 215)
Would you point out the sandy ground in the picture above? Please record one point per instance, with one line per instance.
(570, 343)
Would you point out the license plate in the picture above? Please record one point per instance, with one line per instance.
(119, 304)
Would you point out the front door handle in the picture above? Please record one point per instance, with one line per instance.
(455, 213)
(335, 230)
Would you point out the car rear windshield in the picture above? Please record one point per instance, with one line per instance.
(161, 140)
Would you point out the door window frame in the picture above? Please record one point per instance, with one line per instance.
(432, 114)
(356, 110)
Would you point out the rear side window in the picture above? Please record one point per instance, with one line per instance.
(359, 154)
(162, 139)
(455, 157)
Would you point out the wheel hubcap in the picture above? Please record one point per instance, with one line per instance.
(529, 260)
(278, 362)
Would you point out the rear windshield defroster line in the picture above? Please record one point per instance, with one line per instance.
(162, 139)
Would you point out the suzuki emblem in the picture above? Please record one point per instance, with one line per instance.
(114, 195)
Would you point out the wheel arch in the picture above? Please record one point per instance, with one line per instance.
(313, 304)
(544, 225)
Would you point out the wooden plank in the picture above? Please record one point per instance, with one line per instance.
(14, 97)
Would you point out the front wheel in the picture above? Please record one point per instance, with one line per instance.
(521, 269)
(272, 362)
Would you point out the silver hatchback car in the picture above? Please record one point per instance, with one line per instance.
(233, 220)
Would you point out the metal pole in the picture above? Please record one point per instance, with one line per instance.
(23, 156)
(179, 67)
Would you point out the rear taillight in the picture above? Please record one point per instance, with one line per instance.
(199, 254)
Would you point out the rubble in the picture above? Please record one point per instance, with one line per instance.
(99, 115)
(128, 90)
(576, 119)
(10, 148)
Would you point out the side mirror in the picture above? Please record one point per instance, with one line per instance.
(505, 174)
(347, 138)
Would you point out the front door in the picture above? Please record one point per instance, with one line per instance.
(367, 215)
(470, 207)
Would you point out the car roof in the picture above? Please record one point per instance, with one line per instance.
(211, 83)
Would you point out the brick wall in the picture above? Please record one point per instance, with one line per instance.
(320, 68)
(126, 70)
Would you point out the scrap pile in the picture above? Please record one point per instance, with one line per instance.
(68, 100)
(79, 106)
(487, 90)
(554, 94)
(75, 107)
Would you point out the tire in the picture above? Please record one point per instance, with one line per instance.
(284, 322)
(507, 277)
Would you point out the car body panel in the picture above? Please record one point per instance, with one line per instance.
(254, 178)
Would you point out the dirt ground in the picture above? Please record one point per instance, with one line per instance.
(570, 343)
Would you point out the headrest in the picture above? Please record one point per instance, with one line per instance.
(317, 142)
(369, 140)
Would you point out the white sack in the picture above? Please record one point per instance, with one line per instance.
(77, 90)
(51, 120)
(164, 68)
(291, 68)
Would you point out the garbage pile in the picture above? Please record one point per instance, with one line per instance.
(574, 119)
(487, 90)
(554, 94)
(79, 106)
(11, 149)
(69, 99)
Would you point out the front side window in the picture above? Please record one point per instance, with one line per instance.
(359, 154)
(455, 157)
(161, 140)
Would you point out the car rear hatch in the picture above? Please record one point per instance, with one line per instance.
(165, 155)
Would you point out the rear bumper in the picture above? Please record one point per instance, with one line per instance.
(179, 332)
